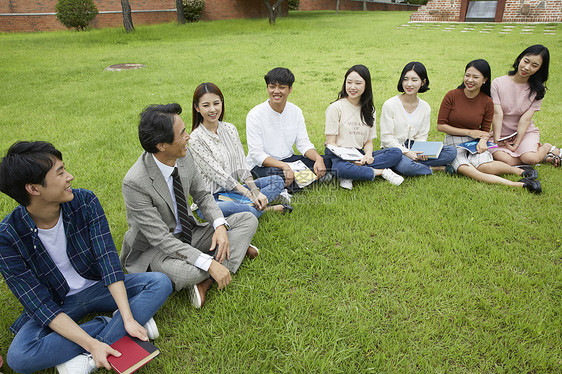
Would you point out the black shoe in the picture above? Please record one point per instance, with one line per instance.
(327, 178)
(287, 208)
(530, 173)
(532, 185)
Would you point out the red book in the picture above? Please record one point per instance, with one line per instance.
(134, 354)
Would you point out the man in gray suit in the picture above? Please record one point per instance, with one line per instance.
(163, 236)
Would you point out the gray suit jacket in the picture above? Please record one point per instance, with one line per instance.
(150, 212)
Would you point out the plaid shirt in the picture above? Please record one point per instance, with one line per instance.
(30, 272)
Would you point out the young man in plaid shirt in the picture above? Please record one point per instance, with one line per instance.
(58, 258)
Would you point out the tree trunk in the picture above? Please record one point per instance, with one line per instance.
(272, 10)
(180, 12)
(364, 4)
(127, 18)
(337, 6)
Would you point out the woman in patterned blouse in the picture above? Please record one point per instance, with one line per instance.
(218, 153)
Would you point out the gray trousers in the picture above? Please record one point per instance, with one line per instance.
(242, 229)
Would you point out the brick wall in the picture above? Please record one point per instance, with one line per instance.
(19, 19)
(438, 10)
(48, 6)
(351, 5)
(228, 9)
(539, 11)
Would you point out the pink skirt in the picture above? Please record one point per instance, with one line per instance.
(530, 143)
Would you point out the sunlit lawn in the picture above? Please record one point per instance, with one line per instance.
(442, 274)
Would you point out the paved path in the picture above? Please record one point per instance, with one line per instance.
(485, 28)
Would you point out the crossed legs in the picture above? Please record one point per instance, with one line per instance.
(243, 227)
(36, 347)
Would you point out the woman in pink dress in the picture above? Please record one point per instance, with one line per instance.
(517, 96)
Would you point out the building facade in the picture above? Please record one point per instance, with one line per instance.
(506, 11)
(39, 15)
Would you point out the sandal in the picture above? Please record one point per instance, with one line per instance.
(556, 158)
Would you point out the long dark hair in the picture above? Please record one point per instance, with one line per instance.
(536, 81)
(201, 90)
(367, 106)
(484, 68)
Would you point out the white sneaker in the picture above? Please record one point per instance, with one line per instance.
(151, 329)
(284, 197)
(392, 177)
(346, 183)
(83, 364)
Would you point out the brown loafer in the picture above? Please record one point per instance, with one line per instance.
(199, 291)
(252, 252)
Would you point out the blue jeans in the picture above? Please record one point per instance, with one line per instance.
(270, 186)
(410, 168)
(35, 348)
(263, 171)
(384, 158)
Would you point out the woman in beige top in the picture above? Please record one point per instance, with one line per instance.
(350, 123)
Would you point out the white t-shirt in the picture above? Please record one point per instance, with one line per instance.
(343, 119)
(54, 240)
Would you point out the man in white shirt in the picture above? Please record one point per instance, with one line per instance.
(274, 127)
(163, 236)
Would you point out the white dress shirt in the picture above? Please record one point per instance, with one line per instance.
(272, 134)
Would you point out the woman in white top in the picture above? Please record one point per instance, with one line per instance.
(405, 120)
(350, 123)
(218, 153)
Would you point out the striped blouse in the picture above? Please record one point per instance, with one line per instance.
(219, 157)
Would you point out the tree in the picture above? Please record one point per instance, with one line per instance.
(127, 18)
(337, 6)
(272, 10)
(180, 11)
(364, 4)
(76, 14)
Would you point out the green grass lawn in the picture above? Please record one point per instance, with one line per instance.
(442, 274)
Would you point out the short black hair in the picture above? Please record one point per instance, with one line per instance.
(24, 163)
(157, 125)
(280, 76)
(420, 70)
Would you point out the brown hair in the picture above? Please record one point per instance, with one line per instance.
(201, 90)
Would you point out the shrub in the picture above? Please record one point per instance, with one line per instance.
(294, 4)
(76, 14)
(193, 9)
(419, 2)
